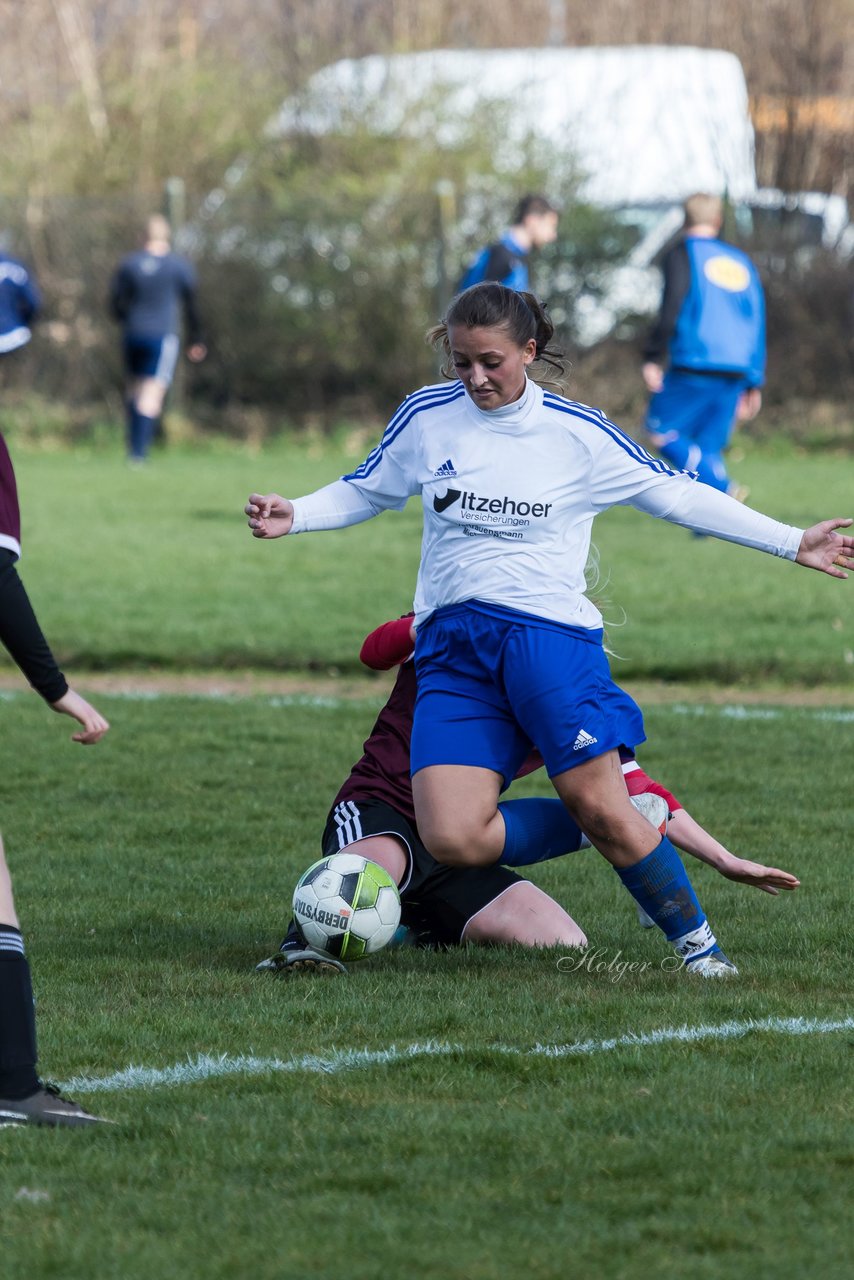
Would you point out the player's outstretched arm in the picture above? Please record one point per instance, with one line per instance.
(270, 516)
(94, 726)
(389, 645)
(824, 549)
(685, 832)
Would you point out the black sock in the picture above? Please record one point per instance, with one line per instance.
(18, 1078)
(293, 939)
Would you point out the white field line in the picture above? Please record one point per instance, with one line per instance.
(206, 1067)
(760, 713)
(726, 712)
(219, 695)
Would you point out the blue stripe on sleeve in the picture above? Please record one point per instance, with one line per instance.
(427, 398)
(598, 419)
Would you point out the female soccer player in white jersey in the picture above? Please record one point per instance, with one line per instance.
(511, 477)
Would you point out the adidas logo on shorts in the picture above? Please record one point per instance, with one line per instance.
(583, 740)
(446, 472)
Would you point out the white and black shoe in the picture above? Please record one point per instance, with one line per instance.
(47, 1107)
(300, 960)
(713, 965)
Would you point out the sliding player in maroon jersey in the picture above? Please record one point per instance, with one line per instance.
(451, 905)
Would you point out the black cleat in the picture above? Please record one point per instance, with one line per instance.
(300, 960)
(47, 1107)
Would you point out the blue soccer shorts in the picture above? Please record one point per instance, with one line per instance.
(697, 411)
(492, 682)
(152, 357)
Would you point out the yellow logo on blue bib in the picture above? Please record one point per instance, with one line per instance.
(727, 273)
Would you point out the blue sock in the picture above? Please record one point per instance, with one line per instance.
(140, 433)
(678, 453)
(659, 884)
(711, 471)
(130, 427)
(686, 455)
(537, 829)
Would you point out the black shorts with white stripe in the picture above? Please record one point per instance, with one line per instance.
(435, 899)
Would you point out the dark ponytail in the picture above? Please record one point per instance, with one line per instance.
(490, 305)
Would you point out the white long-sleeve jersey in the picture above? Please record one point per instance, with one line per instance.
(509, 498)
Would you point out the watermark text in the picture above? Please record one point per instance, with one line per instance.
(613, 965)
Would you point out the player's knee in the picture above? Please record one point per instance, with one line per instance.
(524, 916)
(573, 934)
(594, 817)
(150, 397)
(456, 847)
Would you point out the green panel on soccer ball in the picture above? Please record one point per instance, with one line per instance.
(353, 948)
(368, 887)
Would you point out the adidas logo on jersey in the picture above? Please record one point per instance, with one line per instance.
(583, 740)
(447, 471)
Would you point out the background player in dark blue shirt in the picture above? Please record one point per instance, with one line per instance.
(534, 226)
(148, 293)
(19, 304)
(712, 329)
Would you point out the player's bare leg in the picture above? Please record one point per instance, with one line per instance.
(596, 796)
(457, 811)
(526, 915)
(149, 395)
(8, 915)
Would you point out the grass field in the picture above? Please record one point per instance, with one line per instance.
(157, 568)
(464, 1115)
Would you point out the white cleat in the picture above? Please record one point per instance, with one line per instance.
(714, 965)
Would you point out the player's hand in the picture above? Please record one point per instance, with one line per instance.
(749, 404)
(94, 724)
(824, 549)
(197, 352)
(270, 516)
(768, 879)
(653, 376)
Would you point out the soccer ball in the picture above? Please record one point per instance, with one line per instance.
(654, 808)
(347, 906)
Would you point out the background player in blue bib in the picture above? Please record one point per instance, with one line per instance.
(711, 328)
(506, 260)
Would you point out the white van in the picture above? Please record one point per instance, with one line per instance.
(646, 125)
